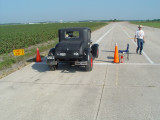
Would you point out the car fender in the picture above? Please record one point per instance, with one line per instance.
(86, 54)
(51, 52)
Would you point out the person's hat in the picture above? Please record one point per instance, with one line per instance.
(140, 26)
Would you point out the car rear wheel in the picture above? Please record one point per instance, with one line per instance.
(53, 67)
(89, 65)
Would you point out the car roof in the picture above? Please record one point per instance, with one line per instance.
(75, 28)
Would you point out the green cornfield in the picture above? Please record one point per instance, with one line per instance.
(155, 24)
(23, 36)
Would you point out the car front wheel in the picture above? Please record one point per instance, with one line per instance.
(53, 67)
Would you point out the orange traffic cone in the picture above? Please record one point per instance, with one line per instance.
(116, 56)
(38, 57)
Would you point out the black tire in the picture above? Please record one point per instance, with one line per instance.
(53, 67)
(72, 63)
(89, 65)
(95, 50)
(57, 66)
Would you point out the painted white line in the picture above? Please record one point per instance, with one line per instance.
(40, 63)
(151, 62)
(44, 63)
(104, 35)
(124, 64)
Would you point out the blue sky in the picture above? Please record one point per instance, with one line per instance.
(15, 11)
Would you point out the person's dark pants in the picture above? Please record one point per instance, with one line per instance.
(140, 45)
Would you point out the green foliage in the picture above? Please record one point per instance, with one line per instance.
(23, 36)
(8, 60)
(155, 24)
(7, 63)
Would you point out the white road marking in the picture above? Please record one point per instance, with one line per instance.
(44, 63)
(39, 63)
(104, 35)
(151, 62)
(124, 64)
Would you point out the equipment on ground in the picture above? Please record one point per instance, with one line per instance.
(125, 52)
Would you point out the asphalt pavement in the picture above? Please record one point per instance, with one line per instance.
(125, 91)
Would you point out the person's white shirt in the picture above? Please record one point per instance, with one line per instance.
(139, 34)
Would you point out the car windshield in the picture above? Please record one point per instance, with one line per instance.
(71, 34)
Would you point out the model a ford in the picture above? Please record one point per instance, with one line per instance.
(75, 46)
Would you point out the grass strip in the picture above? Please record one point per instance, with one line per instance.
(9, 60)
(155, 24)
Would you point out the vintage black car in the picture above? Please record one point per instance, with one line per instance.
(75, 46)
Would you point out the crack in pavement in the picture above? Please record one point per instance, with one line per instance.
(101, 94)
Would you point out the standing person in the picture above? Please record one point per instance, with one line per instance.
(140, 39)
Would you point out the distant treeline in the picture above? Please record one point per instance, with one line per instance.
(155, 20)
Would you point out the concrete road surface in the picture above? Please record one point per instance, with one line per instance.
(126, 91)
